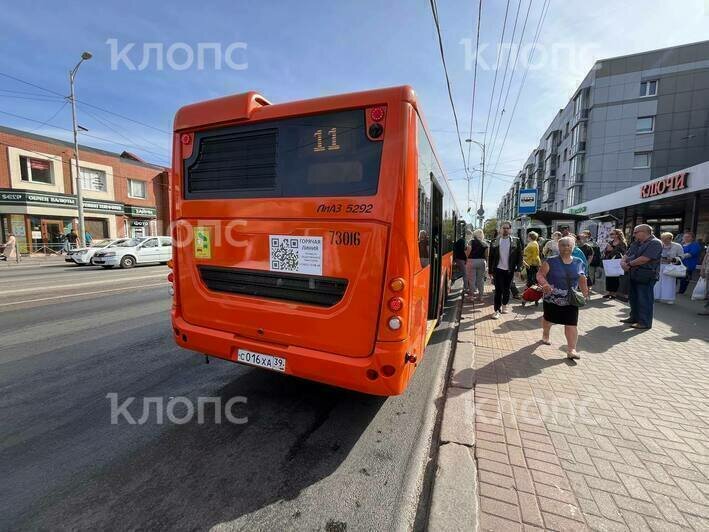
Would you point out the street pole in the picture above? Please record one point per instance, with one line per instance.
(79, 198)
(481, 211)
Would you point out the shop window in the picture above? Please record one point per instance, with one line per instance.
(642, 159)
(648, 88)
(137, 189)
(35, 170)
(645, 124)
(94, 180)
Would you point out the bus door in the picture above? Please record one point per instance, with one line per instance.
(436, 250)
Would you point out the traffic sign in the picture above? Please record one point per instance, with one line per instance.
(527, 201)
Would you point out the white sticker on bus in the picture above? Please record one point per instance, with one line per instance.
(295, 254)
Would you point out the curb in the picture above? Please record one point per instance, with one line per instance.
(454, 494)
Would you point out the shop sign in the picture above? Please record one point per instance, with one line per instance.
(148, 212)
(24, 197)
(577, 210)
(140, 223)
(664, 185)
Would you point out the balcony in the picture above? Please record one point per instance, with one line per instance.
(579, 147)
(581, 115)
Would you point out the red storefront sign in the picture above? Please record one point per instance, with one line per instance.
(664, 185)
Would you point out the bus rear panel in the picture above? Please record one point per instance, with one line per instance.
(295, 236)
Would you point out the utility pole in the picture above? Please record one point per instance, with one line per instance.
(79, 199)
(481, 211)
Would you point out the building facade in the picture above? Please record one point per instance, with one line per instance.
(633, 119)
(122, 195)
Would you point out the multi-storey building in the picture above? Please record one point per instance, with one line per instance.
(633, 119)
(122, 195)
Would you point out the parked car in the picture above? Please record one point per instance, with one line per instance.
(134, 251)
(84, 256)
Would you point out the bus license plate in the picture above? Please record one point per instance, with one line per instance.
(261, 360)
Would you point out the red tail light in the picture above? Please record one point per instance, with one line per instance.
(396, 304)
(377, 114)
(171, 277)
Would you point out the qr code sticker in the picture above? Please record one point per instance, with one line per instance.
(284, 256)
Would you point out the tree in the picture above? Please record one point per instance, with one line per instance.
(490, 228)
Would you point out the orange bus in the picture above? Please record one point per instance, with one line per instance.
(312, 238)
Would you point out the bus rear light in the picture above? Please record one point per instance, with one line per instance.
(396, 304)
(170, 277)
(186, 139)
(388, 370)
(395, 323)
(397, 285)
(170, 264)
(377, 114)
(372, 375)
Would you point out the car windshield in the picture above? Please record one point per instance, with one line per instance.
(101, 243)
(130, 243)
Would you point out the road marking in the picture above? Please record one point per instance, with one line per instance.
(84, 294)
(76, 285)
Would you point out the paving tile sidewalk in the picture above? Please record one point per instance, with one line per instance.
(616, 441)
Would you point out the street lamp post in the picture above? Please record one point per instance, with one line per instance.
(79, 199)
(481, 210)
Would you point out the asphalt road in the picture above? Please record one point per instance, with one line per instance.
(310, 457)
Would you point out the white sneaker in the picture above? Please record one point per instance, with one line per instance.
(504, 309)
(496, 315)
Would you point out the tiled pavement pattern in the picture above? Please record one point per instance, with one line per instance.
(617, 441)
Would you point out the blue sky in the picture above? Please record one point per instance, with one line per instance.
(307, 49)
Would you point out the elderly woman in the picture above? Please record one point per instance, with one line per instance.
(615, 249)
(476, 265)
(666, 288)
(557, 276)
(551, 248)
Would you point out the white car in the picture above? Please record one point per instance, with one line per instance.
(134, 251)
(83, 256)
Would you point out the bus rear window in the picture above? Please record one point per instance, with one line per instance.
(323, 155)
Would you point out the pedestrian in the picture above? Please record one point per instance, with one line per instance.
(615, 249)
(580, 254)
(505, 259)
(72, 238)
(565, 231)
(551, 248)
(559, 278)
(666, 287)
(531, 260)
(10, 250)
(704, 274)
(692, 250)
(642, 263)
(88, 238)
(460, 258)
(586, 247)
(476, 265)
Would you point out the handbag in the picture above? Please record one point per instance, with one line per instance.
(574, 296)
(700, 291)
(676, 270)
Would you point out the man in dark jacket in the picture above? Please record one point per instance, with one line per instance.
(505, 259)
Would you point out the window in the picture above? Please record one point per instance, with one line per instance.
(91, 179)
(152, 243)
(648, 88)
(573, 196)
(35, 170)
(329, 154)
(167, 242)
(136, 189)
(642, 159)
(426, 164)
(645, 124)
(566, 134)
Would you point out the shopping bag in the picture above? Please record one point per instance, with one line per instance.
(700, 291)
(675, 270)
(532, 294)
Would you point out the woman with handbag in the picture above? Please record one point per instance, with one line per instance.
(615, 249)
(560, 278)
(671, 268)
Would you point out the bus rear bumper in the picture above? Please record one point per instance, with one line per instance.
(353, 373)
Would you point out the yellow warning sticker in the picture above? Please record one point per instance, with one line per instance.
(202, 243)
